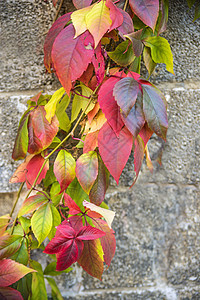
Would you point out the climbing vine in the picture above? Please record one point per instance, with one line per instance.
(73, 140)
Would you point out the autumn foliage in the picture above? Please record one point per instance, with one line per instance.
(96, 54)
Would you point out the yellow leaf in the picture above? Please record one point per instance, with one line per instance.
(96, 123)
(148, 159)
(78, 20)
(50, 107)
(106, 213)
(98, 21)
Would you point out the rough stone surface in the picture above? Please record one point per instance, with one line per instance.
(158, 221)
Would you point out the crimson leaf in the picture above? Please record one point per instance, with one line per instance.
(68, 53)
(146, 10)
(114, 150)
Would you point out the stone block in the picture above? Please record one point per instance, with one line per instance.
(23, 27)
(181, 152)
(157, 238)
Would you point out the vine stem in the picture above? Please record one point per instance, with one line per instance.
(125, 5)
(47, 157)
(18, 195)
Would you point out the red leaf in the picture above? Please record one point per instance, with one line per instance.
(146, 10)
(68, 53)
(109, 105)
(91, 142)
(90, 259)
(64, 169)
(127, 25)
(29, 169)
(93, 112)
(87, 75)
(21, 141)
(87, 170)
(8, 293)
(73, 207)
(125, 92)
(114, 151)
(31, 204)
(42, 132)
(56, 28)
(115, 15)
(89, 233)
(69, 256)
(57, 244)
(99, 64)
(145, 133)
(135, 119)
(138, 155)
(108, 241)
(11, 271)
(98, 191)
(81, 3)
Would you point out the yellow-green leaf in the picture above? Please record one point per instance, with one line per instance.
(160, 51)
(64, 122)
(78, 20)
(41, 222)
(98, 21)
(56, 221)
(148, 61)
(50, 107)
(123, 54)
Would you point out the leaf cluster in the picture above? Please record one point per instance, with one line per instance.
(96, 53)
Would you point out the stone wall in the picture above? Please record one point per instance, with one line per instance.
(158, 220)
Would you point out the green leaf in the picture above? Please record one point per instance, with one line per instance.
(56, 295)
(87, 170)
(160, 51)
(76, 192)
(79, 103)
(123, 55)
(136, 64)
(197, 11)
(135, 38)
(64, 122)
(55, 142)
(31, 204)
(9, 244)
(50, 177)
(50, 107)
(24, 286)
(26, 223)
(64, 169)
(154, 111)
(149, 63)
(51, 269)
(21, 141)
(21, 255)
(38, 283)
(190, 3)
(56, 221)
(55, 193)
(41, 222)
